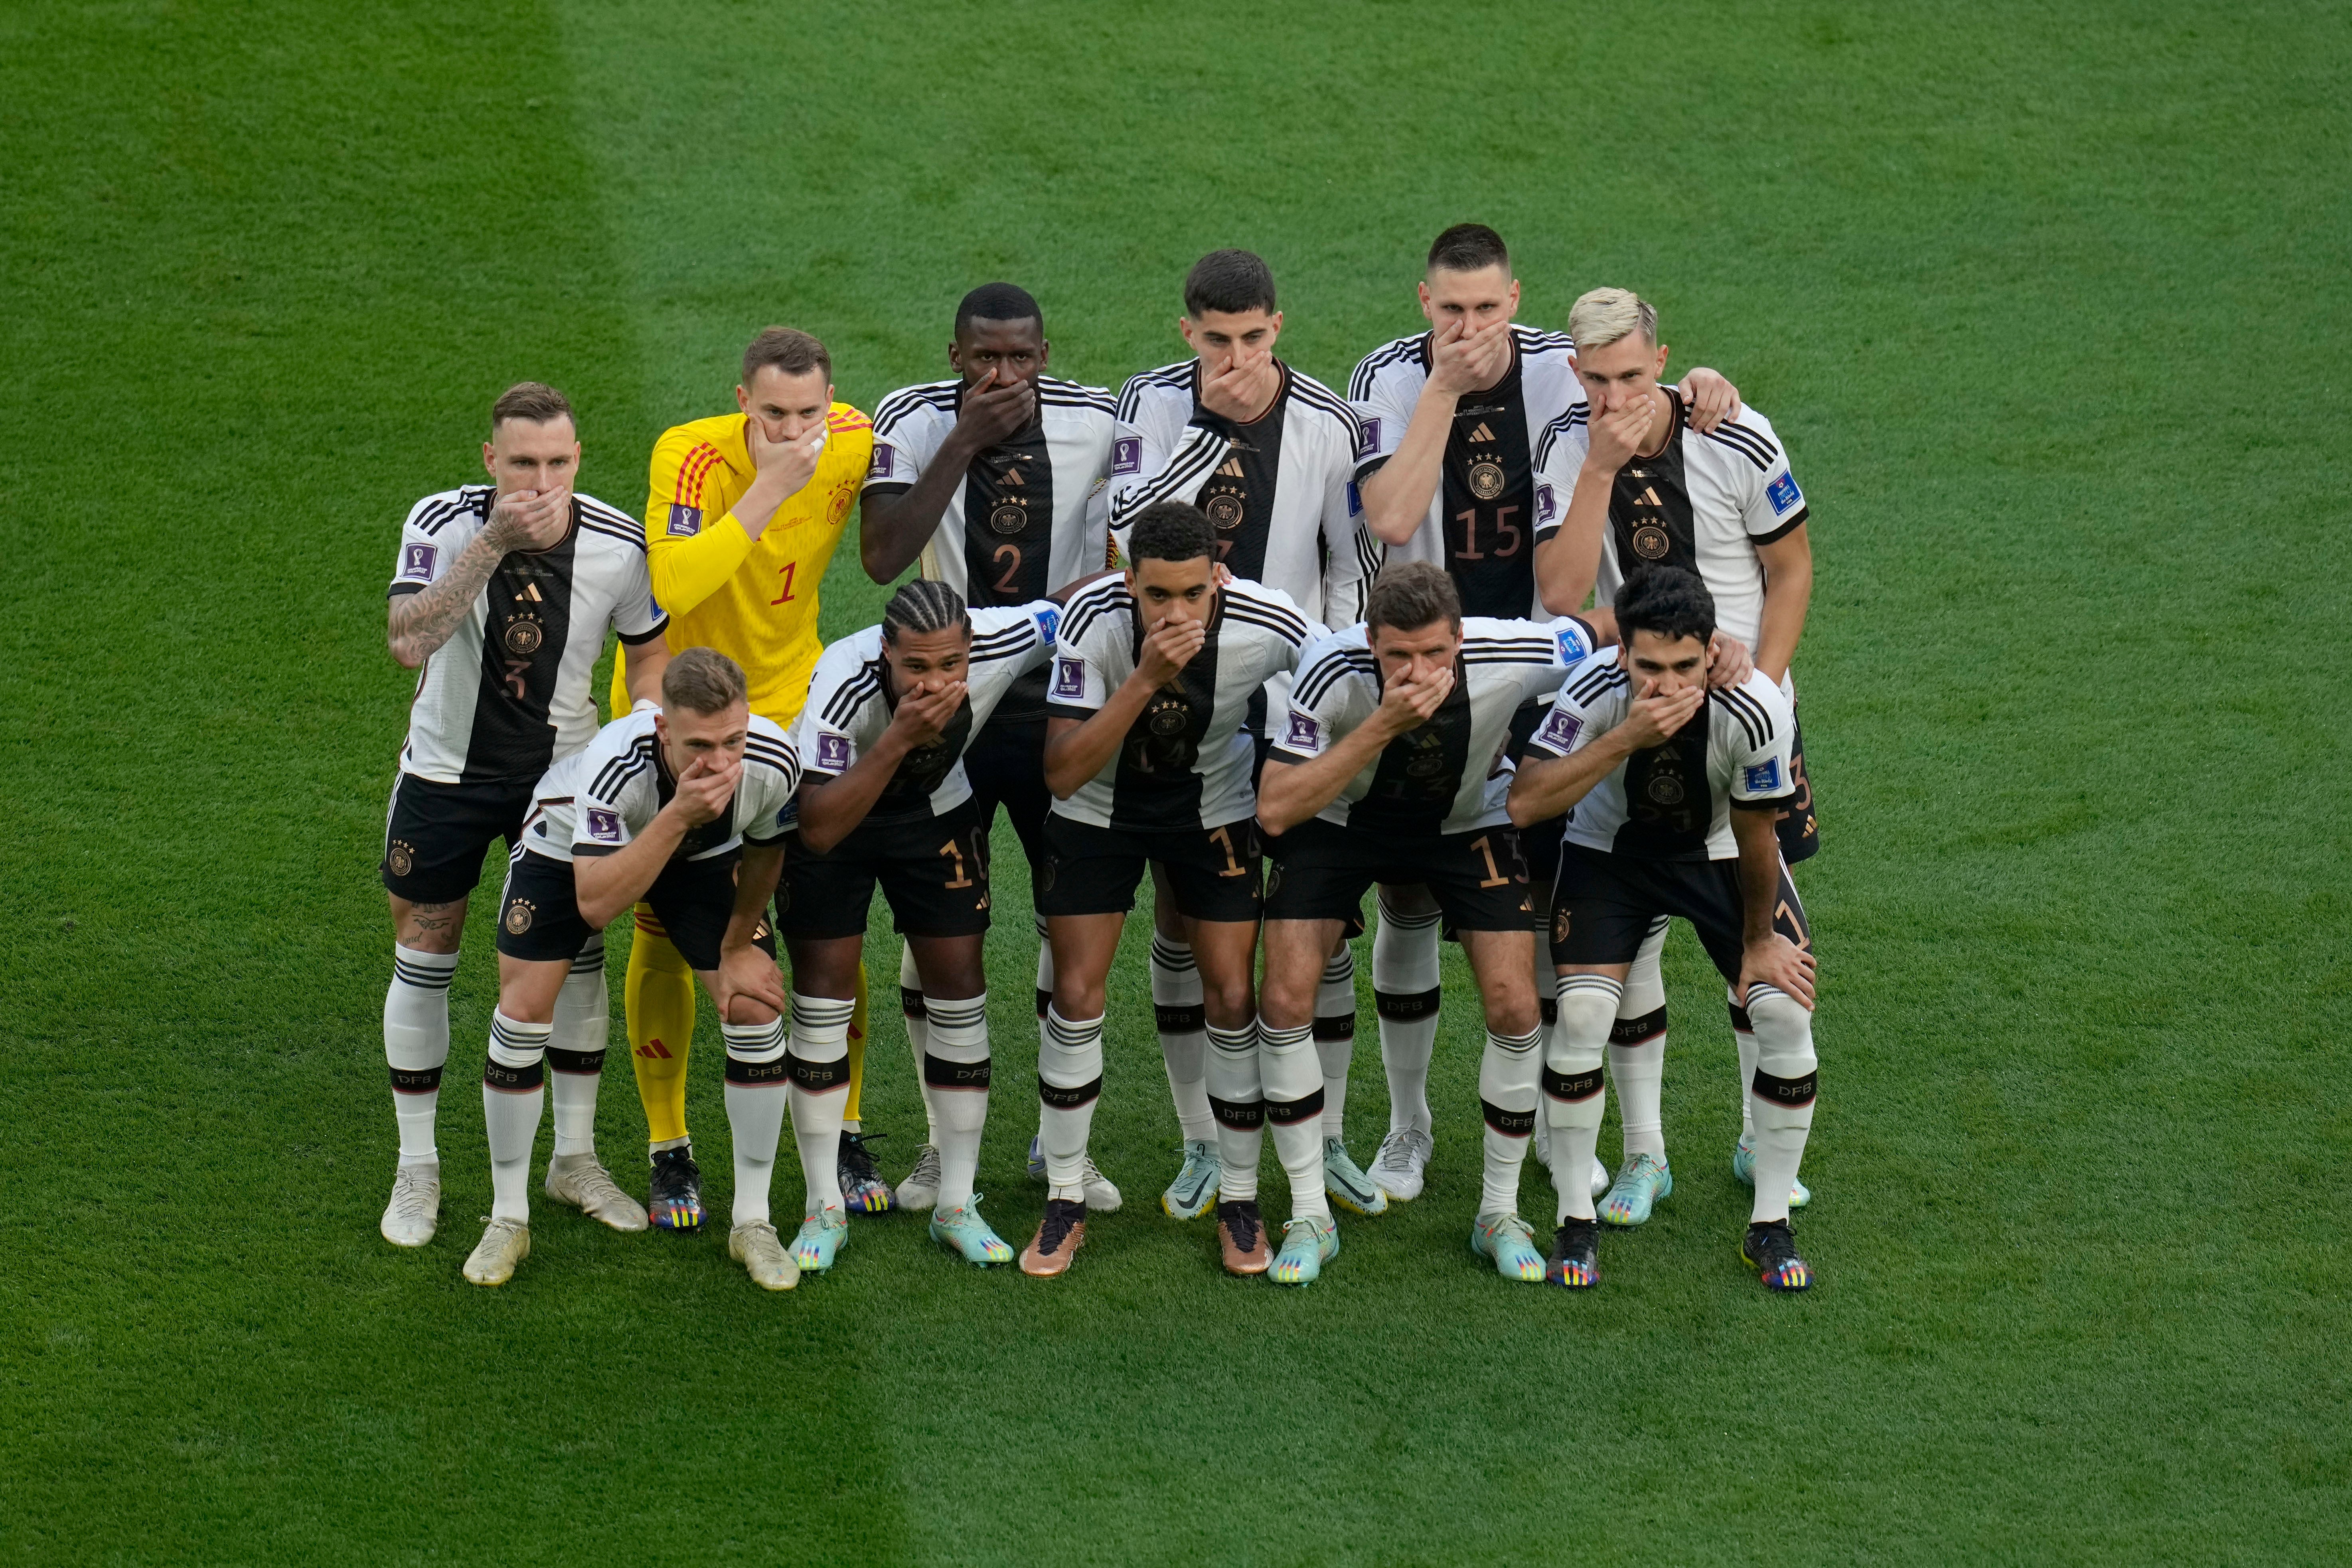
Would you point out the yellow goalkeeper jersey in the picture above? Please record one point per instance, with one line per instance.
(753, 600)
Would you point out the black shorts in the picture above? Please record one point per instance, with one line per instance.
(1318, 872)
(435, 835)
(1602, 906)
(934, 871)
(692, 900)
(1090, 870)
(1006, 765)
(1799, 832)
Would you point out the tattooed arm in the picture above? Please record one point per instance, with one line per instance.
(419, 624)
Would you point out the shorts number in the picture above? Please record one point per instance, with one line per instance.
(1486, 852)
(1005, 583)
(953, 848)
(1224, 839)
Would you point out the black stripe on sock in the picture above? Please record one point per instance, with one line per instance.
(940, 1073)
(757, 1073)
(513, 1080)
(1571, 1086)
(1338, 1026)
(1189, 1020)
(1291, 1113)
(1241, 1115)
(415, 1080)
(1045, 1000)
(1404, 1006)
(1638, 1031)
(1549, 1006)
(814, 1077)
(1069, 1098)
(585, 1064)
(1509, 1123)
(910, 1001)
(1740, 1020)
(1792, 1092)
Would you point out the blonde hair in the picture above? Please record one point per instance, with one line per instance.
(1604, 315)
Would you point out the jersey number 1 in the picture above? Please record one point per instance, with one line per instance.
(786, 597)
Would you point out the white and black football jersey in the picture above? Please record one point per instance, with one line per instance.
(512, 689)
(1452, 775)
(1185, 763)
(1674, 801)
(1277, 488)
(597, 799)
(849, 705)
(1483, 520)
(1704, 503)
(1030, 515)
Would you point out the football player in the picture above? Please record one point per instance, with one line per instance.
(1677, 791)
(1642, 482)
(997, 479)
(1266, 452)
(501, 595)
(1388, 767)
(743, 515)
(1153, 678)
(683, 809)
(886, 797)
(1451, 417)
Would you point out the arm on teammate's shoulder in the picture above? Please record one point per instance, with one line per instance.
(1787, 564)
(645, 663)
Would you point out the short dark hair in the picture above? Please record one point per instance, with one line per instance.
(1666, 601)
(1231, 281)
(703, 680)
(924, 605)
(789, 349)
(1466, 248)
(999, 303)
(1171, 531)
(1411, 594)
(533, 400)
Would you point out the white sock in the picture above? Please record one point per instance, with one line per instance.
(1637, 1050)
(757, 1089)
(818, 1059)
(1573, 1097)
(575, 1053)
(955, 1076)
(1183, 1046)
(1292, 1075)
(1508, 1071)
(1069, 1082)
(1335, 1036)
(1405, 996)
(911, 1004)
(1044, 970)
(416, 1044)
(1743, 1040)
(1783, 1090)
(514, 1091)
(1237, 1096)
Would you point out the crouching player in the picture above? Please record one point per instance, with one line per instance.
(684, 809)
(885, 798)
(1149, 762)
(1676, 790)
(1387, 768)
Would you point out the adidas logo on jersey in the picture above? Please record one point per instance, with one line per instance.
(1012, 476)
(1232, 471)
(1481, 432)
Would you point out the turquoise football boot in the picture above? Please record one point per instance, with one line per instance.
(1505, 1239)
(964, 1233)
(1639, 1186)
(1308, 1244)
(1743, 1166)
(822, 1233)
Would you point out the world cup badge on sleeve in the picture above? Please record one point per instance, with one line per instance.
(1560, 728)
(604, 825)
(1127, 455)
(1070, 678)
(416, 562)
(1784, 495)
(1306, 732)
(1369, 442)
(832, 752)
(685, 521)
(1764, 777)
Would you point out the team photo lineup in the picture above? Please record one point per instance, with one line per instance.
(1499, 636)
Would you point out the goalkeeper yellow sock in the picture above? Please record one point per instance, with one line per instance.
(856, 1054)
(659, 995)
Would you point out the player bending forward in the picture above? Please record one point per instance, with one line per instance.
(1149, 764)
(885, 798)
(684, 810)
(500, 601)
(1388, 768)
(1676, 789)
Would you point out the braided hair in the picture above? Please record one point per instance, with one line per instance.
(924, 605)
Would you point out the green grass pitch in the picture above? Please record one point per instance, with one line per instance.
(2051, 305)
